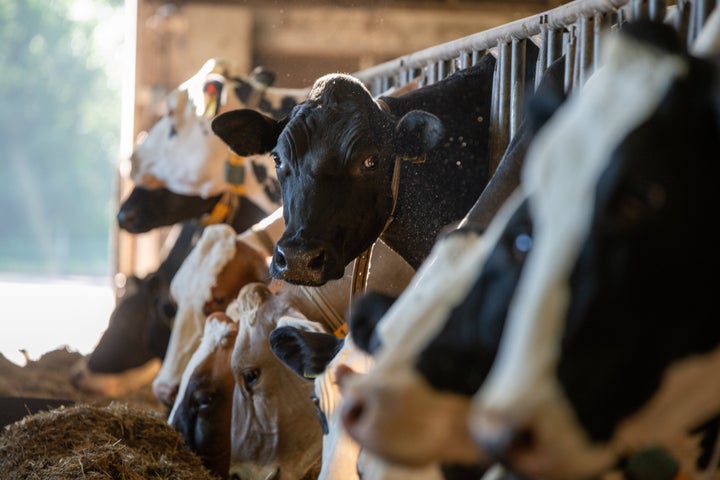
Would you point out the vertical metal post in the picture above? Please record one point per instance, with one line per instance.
(517, 84)
(500, 122)
(569, 58)
(585, 49)
(431, 73)
(542, 60)
(640, 9)
(682, 20)
(554, 45)
(600, 26)
(657, 10)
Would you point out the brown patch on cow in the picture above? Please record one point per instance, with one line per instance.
(246, 266)
(86, 441)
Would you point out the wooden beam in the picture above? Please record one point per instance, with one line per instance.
(374, 32)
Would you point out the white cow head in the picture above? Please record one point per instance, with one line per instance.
(275, 433)
(181, 153)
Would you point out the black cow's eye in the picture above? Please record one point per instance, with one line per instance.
(250, 377)
(276, 159)
(173, 131)
(370, 163)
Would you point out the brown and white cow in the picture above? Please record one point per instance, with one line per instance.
(196, 414)
(208, 280)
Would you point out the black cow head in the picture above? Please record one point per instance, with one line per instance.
(139, 327)
(145, 209)
(335, 155)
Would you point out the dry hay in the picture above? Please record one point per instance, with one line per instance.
(115, 442)
(49, 377)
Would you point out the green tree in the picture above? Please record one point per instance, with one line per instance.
(59, 140)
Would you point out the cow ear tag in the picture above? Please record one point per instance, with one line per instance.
(212, 91)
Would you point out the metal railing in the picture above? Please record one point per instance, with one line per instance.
(572, 30)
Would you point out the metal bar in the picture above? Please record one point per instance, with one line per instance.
(640, 9)
(569, 59)
(500, 123)
(554, 45)
(542, 60)
(523, 28)
(585, 49)
(517, 83)
(601, 25)
(431, 70)
(657, 10)
(682, 20)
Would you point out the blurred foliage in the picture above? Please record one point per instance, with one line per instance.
(59, 139)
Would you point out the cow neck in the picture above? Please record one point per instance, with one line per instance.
(361, 263)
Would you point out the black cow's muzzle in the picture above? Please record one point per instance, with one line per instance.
(311, 266)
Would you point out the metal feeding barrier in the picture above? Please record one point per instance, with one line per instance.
(572, 30)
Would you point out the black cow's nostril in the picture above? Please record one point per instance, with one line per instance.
(317, 260)
(125, 217)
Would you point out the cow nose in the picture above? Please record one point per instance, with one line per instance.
(126, 218)
(165, 393)
(292, 259)
(501, 439)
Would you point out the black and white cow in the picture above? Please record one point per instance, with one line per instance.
(612, 349)
(605, 346)
(182, 171)
(352, 168)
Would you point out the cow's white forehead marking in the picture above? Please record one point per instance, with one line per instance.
(215, 331)
(197, 275)
(191, 287)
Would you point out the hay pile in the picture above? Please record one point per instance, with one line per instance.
(114, 442)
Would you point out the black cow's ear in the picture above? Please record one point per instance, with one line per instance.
(247, 132)
(366, 312)
(306, 353)
(417, 133)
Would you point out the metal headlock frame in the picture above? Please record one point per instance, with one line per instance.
(572, 30)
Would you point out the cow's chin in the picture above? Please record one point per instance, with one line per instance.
(308, 278)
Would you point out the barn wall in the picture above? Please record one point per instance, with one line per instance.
(299, 40)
